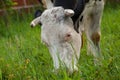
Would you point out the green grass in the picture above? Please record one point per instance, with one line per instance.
(24, 57)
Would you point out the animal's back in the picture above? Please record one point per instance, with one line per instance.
(76, 5)
(66, 4)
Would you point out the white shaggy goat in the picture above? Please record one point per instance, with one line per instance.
(57, 32)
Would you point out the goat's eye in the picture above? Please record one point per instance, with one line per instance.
(68, 37)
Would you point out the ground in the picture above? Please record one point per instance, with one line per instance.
(24, 57)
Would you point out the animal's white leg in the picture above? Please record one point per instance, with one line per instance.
(92, 20)
(94, 48)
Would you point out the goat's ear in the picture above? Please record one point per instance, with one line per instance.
(35, 22)
(69, 12)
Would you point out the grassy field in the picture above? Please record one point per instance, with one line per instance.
(24, 57)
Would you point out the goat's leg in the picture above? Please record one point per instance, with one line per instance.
(92, 30)
(93, 41)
